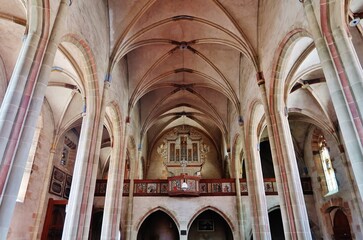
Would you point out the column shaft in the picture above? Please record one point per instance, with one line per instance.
(292, 204)
(241, 222)
(22, 130)
(80, 204)
(129, 225)
(241, 208)
(256, 189)
(113, 200)
(346, 122)
(351, 65)
(16, 100)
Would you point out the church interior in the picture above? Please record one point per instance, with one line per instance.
(181, 119)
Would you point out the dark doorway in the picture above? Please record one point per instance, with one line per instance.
(341, 226)
(158, 226)
(210, 225)
(96, 225)
(266, 160)
(276, 227)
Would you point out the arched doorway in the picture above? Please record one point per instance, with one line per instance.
(210, 225)
(96, 225)
(276, 227)
(158, 226)
(341, 226)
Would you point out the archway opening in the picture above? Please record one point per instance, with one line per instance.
(158, 225)
(96, 225)
(276, 227)
(210, 225)
(266, 156)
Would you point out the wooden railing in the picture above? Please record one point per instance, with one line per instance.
(196, 187)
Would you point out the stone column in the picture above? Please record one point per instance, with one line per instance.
(342, 106)
(256, 189)
(16, 100)
(80, 203)
(113, 200)
(183, 226)
(129, 223)
(351, 65)
(240, 207)
(81, 171)
(25, 118)
(292, 204)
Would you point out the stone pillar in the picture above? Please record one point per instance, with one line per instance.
(81, 171)
(293, 209)
(24, 119)
(351, 65)
(113, 200)
(183, 226)
(129, 223)
(16, 100)
(80, 203)
(240, 208)
(256, 189)
(341, 104)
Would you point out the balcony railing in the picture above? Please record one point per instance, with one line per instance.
(196, 187)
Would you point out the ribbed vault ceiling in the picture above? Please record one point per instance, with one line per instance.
(183, 59)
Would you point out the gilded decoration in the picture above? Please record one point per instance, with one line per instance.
(183, 144)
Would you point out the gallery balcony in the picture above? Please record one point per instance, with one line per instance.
(194, 186)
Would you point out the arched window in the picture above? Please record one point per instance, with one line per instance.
(329, 174)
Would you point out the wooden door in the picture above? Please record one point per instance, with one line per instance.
(341, 226)
(54, 220)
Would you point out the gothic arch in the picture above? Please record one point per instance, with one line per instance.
(279, 64)
(214, 209)
(332, 205)
(89, 75)
(146, 215)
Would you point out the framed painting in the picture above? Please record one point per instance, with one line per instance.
(57, 182)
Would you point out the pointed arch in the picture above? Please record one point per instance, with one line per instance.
(89, 75)
(213, 209)
(161, 209)
(280, 60)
